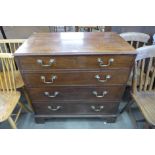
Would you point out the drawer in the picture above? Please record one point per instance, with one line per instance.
(109, 77)
(75, 62)
(47, 108)
(76, 93)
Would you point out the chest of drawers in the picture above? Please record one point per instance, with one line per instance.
(75, 74)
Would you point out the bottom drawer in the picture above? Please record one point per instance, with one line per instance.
(74, 108)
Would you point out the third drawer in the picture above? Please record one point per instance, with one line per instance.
(76, 93)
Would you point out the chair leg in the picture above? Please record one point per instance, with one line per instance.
(12, 123)
(28, 99)
(17, 115)
(65, 28)
(147, 126)
(24, 107)
(55, 29)
(140, 120)
(133, 119)
(126, 106)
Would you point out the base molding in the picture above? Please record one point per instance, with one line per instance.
(40, 119)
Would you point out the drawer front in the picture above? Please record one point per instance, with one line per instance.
(46, 108)
(75, 62)
(76, 93)
(76, 78)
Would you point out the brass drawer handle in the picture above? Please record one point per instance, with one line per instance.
(100, 96)
(105, 80)
(97, 109)
(54, 109)
(101, 62)
(53, 77)
(51, 61)
(51, 96)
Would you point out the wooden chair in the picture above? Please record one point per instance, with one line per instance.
(9, 97)
(153, 40)
(10, 46)
(101, 28)
(143, 91)
(86, 28)
(136, 39)
(58, 27)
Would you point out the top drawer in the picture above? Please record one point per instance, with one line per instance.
(75, 62)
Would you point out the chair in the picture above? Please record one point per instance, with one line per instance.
(102, 28)
(86, 28)
(62, 28)
(10, 46)
(154, 39)
(9, 96)
(143, 92)
(136, 39)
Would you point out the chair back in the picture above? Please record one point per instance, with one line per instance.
(145, 68)
(136, 39)
(87, 28)
(10, 45)
(7, 77)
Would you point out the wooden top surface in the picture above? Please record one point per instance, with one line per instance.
(75, 43)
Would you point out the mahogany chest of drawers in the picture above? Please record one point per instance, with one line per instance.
(75, 74)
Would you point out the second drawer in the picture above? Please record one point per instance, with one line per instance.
(76, 93)
(106, 77)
